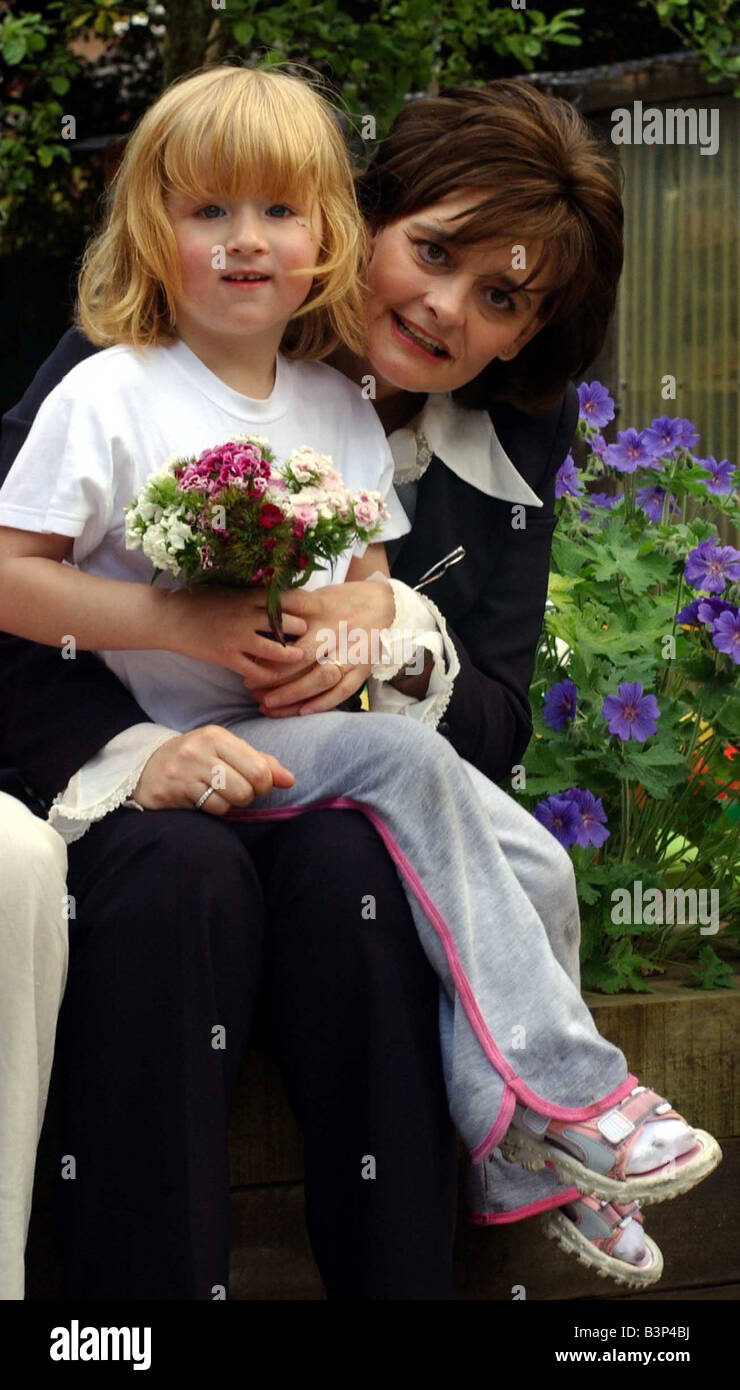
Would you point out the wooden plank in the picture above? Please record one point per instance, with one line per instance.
(270, 1252)
(265, 1143)
(717, 1293)
(683, 1043)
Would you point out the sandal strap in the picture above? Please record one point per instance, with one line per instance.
(617, 1129)
(612, 1217)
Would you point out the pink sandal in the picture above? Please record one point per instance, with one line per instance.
(593, 1155)
(591, 1230)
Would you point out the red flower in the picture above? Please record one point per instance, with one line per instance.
(270, 515)
(302, 561)
(269, 543)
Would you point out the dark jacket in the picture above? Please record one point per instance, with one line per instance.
(56, 713)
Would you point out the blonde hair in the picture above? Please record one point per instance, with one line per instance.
(222, 130)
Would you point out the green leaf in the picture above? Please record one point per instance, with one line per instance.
(60, 85)
(712, 972)
(14, 50)
(243, 31)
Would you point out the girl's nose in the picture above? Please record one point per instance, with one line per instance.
(246, 235)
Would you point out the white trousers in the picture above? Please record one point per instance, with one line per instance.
(33, 973)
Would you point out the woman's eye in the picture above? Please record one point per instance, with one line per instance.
(432, 252)
(499, 299)
(210, 210)
(279, 210)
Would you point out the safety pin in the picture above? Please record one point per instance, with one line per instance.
(441, 566)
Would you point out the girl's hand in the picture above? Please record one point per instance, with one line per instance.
(179, 771)
(222, 625)
(366, 607)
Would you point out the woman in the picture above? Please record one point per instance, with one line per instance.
(466, 313)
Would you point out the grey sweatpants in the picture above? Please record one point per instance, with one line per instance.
(513, 1026)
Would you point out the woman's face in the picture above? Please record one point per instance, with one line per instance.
(438, 315)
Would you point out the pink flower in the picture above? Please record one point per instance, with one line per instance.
(366, 510)
(306, 514)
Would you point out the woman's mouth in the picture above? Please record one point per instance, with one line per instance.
(428, 347)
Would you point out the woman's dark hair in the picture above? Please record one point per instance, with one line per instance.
(543, 176)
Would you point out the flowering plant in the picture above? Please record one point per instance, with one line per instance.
(636, 693)
(233, 517)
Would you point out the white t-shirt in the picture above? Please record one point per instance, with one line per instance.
(115, 418)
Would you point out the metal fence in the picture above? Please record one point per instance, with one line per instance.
(679, 304)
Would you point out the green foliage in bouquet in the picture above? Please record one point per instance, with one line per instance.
(636, 702)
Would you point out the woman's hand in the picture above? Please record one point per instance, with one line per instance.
(179, 771)
(222, 625)
(365, 607)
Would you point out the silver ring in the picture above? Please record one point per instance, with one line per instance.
(203, 797)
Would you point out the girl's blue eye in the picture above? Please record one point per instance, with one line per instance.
(279, 208)
(209, 209)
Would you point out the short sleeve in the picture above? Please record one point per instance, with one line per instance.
(62, 480)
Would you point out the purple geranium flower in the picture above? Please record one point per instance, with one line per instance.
(598, 446)
(726, 635)
(567, 478)
(597, 406)
(560, 705)
(709, 609)
(710, 566)
(592, 817)
(665, 435)
(721, 479)
(689, 616)
(559, 815)
(689, 435)
(650, 501)
(631, 451)
(631, 714)
(599, 499)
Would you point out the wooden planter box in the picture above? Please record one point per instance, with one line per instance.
(682, 1041)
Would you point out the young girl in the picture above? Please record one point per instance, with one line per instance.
(232, 233)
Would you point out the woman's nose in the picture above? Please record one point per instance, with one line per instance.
(446, 299)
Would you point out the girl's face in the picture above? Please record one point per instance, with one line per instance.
(438, 315)
(235, 259)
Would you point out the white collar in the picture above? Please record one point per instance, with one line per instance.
(466, 442)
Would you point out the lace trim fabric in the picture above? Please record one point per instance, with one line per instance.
(100, 786)
(413, 611)
(411, 472)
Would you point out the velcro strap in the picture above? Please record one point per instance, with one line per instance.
(535, 1122)
(615, 1127)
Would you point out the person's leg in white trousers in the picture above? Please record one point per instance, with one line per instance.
(33, 973)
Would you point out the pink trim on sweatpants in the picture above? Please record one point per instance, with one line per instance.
(498, 1128)
(524, 1093)
(505, 1218)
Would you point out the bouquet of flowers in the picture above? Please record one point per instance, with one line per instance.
(233, 517)
(636, 699)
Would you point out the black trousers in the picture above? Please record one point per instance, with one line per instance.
(185, 926)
